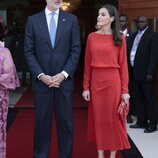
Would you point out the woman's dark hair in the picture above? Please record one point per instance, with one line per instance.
(2, 30)
(115, 25)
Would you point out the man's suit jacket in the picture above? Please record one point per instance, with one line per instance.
(128, 36)
(146, 57)
(42, 58)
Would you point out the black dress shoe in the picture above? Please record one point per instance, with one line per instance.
(137, 126)
(129, 119)
(150, 129)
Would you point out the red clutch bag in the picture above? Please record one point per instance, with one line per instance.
(123, 110)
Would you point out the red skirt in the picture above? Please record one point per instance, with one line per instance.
(105, 127)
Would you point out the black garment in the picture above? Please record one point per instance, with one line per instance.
(131, 111)
(146, 57)
(143, 91)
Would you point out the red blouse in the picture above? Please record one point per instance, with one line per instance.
(101, 52)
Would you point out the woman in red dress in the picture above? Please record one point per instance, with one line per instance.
(106, 83)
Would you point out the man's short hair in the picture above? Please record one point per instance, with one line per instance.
(124, 15)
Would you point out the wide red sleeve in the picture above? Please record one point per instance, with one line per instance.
(123, 66)
(87, 66)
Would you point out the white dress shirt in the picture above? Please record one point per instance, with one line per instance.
(49, 16)
(135, 46)
(124, 32)
(1, 44)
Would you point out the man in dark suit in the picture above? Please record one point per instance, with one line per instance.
(123, 18)
(143, 59)
(52, 50)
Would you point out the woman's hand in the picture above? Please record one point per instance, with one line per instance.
(125, 97)
(86, 95)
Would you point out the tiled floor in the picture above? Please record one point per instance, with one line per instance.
(147, 144)
(14, 96)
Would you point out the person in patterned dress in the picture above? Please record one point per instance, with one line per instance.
(8, 80)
